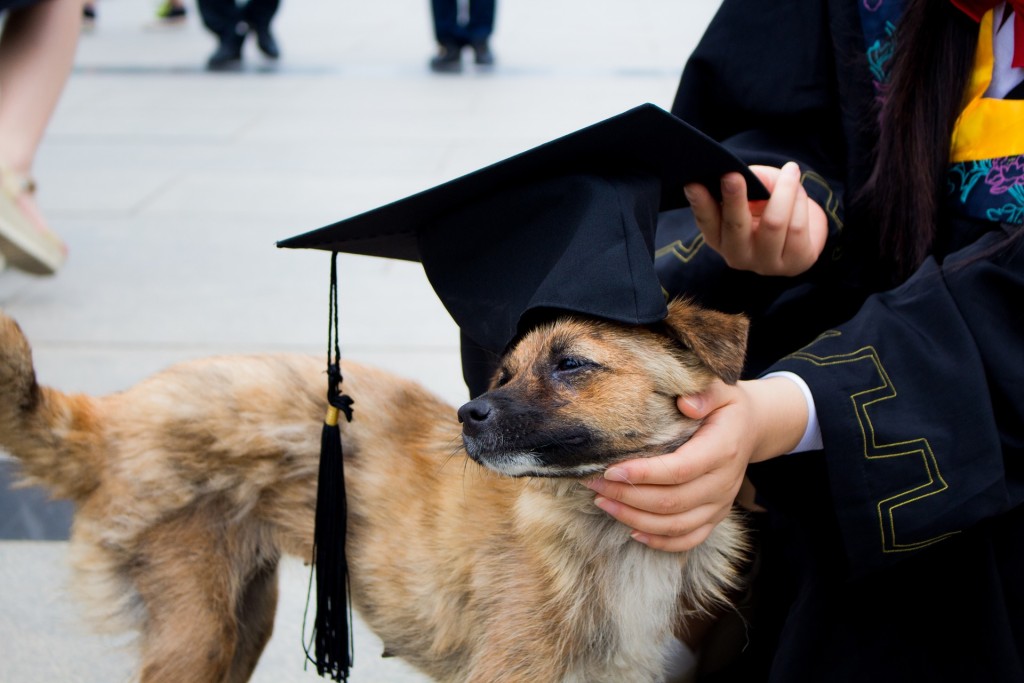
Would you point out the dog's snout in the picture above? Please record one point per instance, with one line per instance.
(475, 412)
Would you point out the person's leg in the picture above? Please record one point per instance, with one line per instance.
(446, 21)
(448, 34)
(481, 20)
(479, 29)
(219, 15)
(258, 14)
(222, 18)
(37, 50)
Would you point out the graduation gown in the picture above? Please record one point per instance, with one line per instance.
(897, 553)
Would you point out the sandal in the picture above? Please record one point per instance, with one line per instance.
(24, 245)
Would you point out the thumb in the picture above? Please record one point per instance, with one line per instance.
(694, 406)
(698, 406)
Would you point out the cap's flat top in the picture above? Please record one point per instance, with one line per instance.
(644, 139)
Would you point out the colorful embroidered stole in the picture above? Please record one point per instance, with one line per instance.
(986, 179)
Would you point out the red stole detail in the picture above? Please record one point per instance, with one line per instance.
(976, 9)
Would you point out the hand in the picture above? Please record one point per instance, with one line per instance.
(673, 502)
(784, 235)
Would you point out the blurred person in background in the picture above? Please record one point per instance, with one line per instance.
(231, 23)
(37, 50)
(458, 25)
(168, 13)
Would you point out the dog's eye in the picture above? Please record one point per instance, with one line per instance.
(570, 363)
(503, 377)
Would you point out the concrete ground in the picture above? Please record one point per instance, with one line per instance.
(171, 186)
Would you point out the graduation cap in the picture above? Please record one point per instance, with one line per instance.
(567, 226)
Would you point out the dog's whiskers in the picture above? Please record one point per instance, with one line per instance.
(455, 448)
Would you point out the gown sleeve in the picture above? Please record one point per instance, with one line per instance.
(791, 112)
(920, 398)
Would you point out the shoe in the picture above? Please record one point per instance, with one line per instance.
(228, 55)
(267, 44)
(24, 245)
(448, 59)
(482, 54)
(88, 17)
(170, 14)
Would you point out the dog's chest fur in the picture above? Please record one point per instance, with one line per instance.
(623, 615)
(533, 583)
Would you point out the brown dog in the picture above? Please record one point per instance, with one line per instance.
(190, 486)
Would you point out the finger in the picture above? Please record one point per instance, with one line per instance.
(777, 216)
(768, 175)
(675, 544)
(712, 486)
(657, 500)
(736, 220)
(677, 467)
(797, 253)
(694, 406)
(653, 524)
(706, 213)
(691, 460)
(700, 475)
(699, 406)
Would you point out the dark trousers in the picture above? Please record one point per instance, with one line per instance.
(221, 16)
(450, 31)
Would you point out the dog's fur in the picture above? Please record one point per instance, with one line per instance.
(191, 485)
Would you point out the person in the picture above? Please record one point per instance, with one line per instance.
(168, 13)
(454, 33)
(88, 15)
(231, 24)
(37, 50)
(879, 430)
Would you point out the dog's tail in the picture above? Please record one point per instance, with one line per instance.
(54, 435)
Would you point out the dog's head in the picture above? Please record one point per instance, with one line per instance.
(574, 396)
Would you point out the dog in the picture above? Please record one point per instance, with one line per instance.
(191, 485)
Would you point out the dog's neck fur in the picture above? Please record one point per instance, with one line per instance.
(628, 589)
(635, 593)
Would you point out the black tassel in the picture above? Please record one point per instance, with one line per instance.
(332, 630)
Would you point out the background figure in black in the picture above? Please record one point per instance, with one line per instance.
(453, 32)
(231, 23)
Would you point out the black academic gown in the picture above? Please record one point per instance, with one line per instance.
(897, 553)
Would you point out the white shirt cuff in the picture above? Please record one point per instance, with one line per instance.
(811, 440)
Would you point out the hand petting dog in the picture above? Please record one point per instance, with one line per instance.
(673, 502)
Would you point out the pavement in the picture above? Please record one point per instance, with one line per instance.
(171, 186)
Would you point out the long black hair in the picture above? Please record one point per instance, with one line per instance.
(932, 60)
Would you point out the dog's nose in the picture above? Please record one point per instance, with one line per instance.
(475, 412)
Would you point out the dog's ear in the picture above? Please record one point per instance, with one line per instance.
(718, 339)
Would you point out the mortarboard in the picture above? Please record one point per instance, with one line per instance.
(567, 226)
